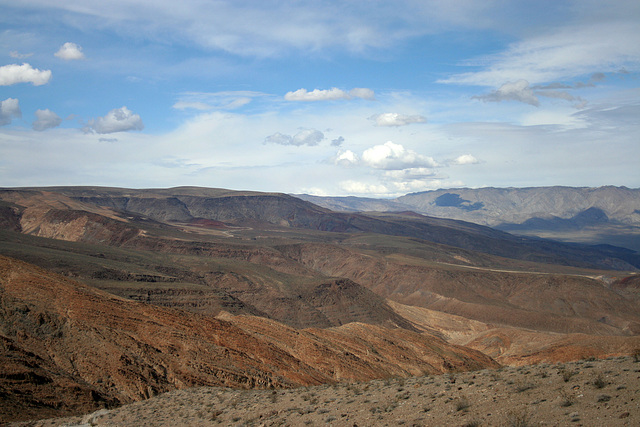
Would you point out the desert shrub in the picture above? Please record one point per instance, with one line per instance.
(566, 374)
(599, 381)
(462, 404)
(636, 355)
(566, 399)
(524, 386)
(518, 418)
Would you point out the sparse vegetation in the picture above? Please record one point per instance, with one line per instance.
(566, 399)
(566, 373)
(599, 381)
(524, 386)
(462, 404)
(518, 418)
(476, 400)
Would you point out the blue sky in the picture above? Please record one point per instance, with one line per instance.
(365, 98)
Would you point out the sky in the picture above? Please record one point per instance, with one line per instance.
(334, 98)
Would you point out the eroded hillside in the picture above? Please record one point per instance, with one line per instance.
(127, 293)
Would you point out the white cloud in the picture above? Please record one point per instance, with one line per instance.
(569, 52)
(13, 73)
(465, 159)
(357, 187)
(410, 174)
(69, 51)
(195, 105)
(329, 94)
(18, 55)
(46, 119)
(395, 119)
(227, 100)
(9, 109)
(267, 28)
(392, 156)
(346, 158)
(304, 137)
(363, 93)
(117, 120)
(512, 91)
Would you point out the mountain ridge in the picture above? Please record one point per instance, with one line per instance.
(511, 208)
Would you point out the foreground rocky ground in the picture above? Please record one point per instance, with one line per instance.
(582, 393)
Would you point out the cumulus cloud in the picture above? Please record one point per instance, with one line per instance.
(69, 51)
(117, 120)
(395, 119)
(512, 91)
(304, 137)
(9, 109)
(346, 158)
(46, 119)
(465, 159)
(13, 73)
(329, 94)
(392, 156)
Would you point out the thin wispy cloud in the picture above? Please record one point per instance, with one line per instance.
(395, 119)
(303, 137)
(329, 94)
(570, 52)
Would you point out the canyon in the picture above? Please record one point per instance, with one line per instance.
(113, 295)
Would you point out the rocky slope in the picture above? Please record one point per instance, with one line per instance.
(189, 286)
(541, 301)
(67, 348)
(590, 393)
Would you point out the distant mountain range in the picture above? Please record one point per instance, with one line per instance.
(603, 215)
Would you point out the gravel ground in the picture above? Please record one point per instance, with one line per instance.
(583, 393)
